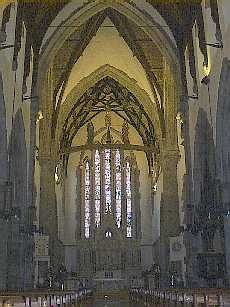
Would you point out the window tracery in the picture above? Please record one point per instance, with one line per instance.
(87, 199)
(97, 175)
(118, 188)
(106, 170)
(108, 194)
(128, 200)
(103, 176)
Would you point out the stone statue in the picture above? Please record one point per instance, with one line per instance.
(125, 133)
(90, 132)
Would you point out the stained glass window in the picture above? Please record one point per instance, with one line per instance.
(107, 189)
(108, 194)
(97, 188)
(87, 199)
(128, 200)
(118, 187)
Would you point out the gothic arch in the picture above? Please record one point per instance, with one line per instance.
(49, 145)
(80, 16)
(123, 79)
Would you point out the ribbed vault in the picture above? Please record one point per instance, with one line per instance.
(179, 16)
(109, 89)
(138, 41)
(108, 95)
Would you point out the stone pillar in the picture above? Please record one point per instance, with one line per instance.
(188, 195)
(48, 219)
(48, 206)
(184, 113)
(169, 212)
(48, 159)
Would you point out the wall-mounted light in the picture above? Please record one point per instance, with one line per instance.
(179, 118)
(39, 116)
(207, 69)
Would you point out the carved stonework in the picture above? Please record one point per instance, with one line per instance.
(108, 245)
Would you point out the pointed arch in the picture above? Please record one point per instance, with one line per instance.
(123, 79)
(87, 205)
(84, 13)
(134, 14)
(129, 202)
(118, 188)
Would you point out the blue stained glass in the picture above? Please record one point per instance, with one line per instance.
(97, 188)
(87, 199)
(118, 188)
(128, 201)
(108, 194)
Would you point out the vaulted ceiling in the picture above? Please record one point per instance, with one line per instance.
(108, 94)
(136, 39)
(179, 15)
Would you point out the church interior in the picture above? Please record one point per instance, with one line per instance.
(114, 145)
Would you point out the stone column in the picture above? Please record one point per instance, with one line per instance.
(48, 159)
(169, 211)
(48, 207)
(184, 113)
(48, 219)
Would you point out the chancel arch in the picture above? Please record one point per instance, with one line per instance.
(114, 144)
(85, 17)
(108, 89)
(118, 81)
